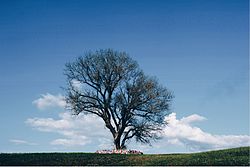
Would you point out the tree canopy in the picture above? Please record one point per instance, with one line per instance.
(111, 85)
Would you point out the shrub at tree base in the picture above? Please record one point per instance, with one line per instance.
(118, 152)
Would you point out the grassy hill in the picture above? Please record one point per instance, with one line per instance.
(235, 156)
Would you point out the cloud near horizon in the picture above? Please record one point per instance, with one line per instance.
(182, 132)
(86, 129)
(75, 130)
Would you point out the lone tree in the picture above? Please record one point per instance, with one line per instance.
(111, 85)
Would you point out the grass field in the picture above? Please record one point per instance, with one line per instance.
(235, 156)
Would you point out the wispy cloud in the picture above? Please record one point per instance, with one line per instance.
(20, 142)
(228, 86)
(48, 100)
(182, 132)
(75, 141)
(75, 131)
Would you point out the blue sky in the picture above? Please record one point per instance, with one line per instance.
(196, 48)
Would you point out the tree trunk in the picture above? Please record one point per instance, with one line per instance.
(117, 142)
(117, 139)
(117, 145)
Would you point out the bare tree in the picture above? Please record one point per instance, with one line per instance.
(111, 85)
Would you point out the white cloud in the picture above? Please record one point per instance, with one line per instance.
(19, 142)
(49, 100)
(89, 129)
(75, 130)
(182, 132)
(50, 125)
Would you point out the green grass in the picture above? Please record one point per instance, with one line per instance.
(235, 156)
